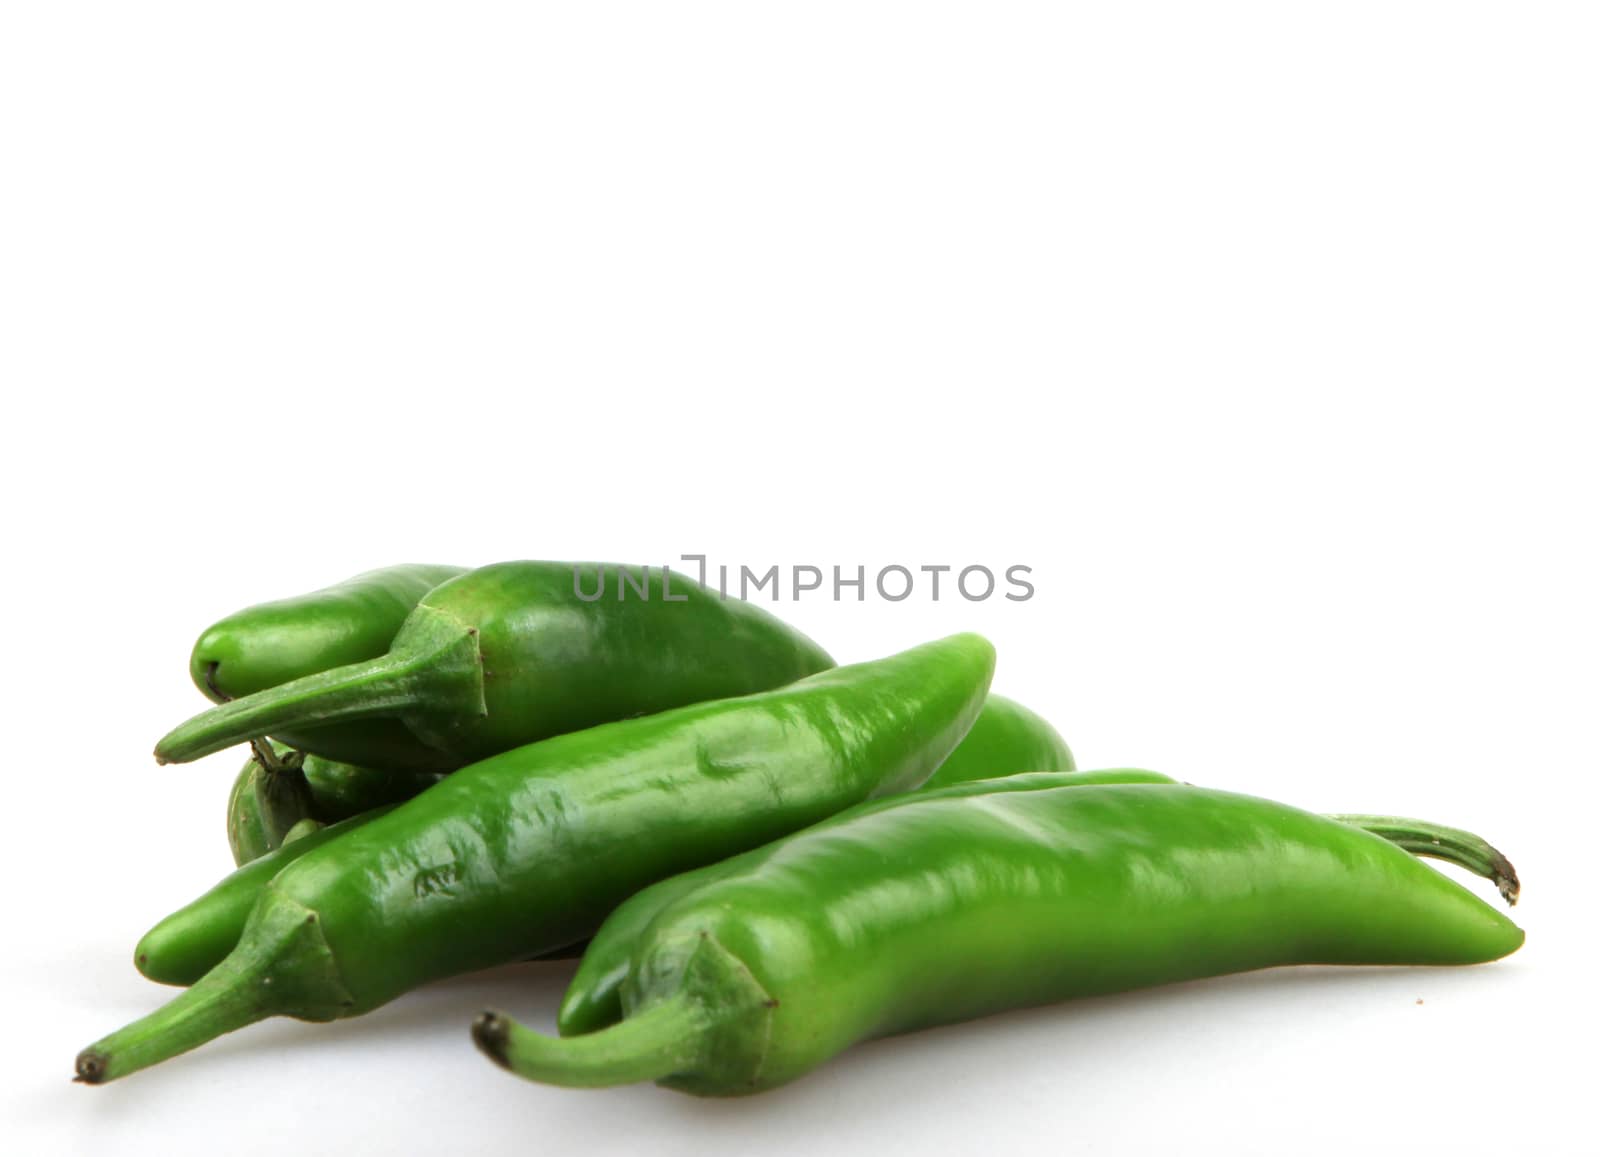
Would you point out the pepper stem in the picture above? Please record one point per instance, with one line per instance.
(442, 658)
(216, 1004)
(1453, 845)
(262, 751)
(282, 965)
(666, 1038)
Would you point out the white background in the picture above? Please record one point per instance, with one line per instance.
(1264, 333)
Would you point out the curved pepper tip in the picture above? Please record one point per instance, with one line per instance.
(1506, 880)
(489, 1033)
(90, 1068)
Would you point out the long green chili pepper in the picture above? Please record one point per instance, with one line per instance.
(269, 800)
(944, 909)
(528, 851)
(350, 622)
(594, 998)
(514, 653)
(1006, 738)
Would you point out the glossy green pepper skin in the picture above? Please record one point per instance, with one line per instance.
(274, 643)
(1007, 738)
(196, 938)
(190, 942)
(944, 909)
(593, 1000)
(515, 653)
(341, 791)
(268, 802)
(528, 851)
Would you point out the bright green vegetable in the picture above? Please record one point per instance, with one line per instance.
(528, 851)
(1006, 738)
(594, 998)
(942, 909)
(511, 654)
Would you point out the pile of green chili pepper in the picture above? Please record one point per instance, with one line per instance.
(761, 857)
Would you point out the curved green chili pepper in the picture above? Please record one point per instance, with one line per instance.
(350, 622)
(940, 910)
(1006, 738)
(528, 851)
(269, 801)
(269, 798)
(594, 998)
(514, 653)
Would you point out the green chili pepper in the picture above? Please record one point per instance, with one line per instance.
(944, 909)
(190, 942)
(278, 788)
(528, 851)
(269, 800)
(1006, 738)
(594, 998)
(353, 621)
(514, 653)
